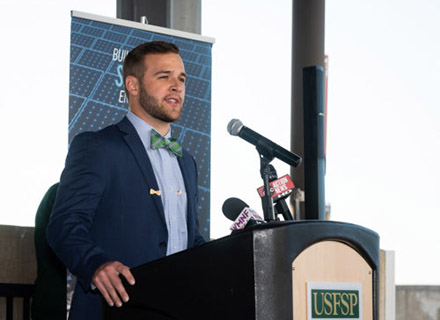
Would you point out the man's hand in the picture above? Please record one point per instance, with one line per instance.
(107, 280)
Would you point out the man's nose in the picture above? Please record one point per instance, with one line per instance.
(177, 85)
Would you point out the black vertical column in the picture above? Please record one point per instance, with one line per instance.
(308, 28)
(314, 127)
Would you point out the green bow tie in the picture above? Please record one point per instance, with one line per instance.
(157, 141)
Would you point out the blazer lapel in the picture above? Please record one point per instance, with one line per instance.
(187, 176)
(137, 148)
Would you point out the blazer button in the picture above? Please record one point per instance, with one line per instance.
(163, 244)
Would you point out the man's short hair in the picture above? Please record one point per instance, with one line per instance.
(134, 61)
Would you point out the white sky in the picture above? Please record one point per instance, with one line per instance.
(383, 131)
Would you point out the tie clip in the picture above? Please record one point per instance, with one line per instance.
(157, 193)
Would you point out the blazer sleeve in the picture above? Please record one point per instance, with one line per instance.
(81, 187)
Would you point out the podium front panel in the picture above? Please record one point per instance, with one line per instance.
(278, 245)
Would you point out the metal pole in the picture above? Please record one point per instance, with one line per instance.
(183, 15)
(307, 50)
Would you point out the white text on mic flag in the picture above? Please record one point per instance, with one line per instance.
(243, 218)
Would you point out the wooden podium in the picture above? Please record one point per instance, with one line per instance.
(276, 271)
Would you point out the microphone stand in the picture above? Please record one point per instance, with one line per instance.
(281, 206)
(265, 170)
(267, 154)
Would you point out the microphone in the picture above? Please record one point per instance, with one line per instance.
(238, 211)
(264, 145)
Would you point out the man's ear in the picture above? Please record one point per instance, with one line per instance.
(132, 85)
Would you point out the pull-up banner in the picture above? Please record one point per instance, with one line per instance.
(97, 97)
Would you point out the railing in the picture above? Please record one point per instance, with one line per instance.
(13, 290)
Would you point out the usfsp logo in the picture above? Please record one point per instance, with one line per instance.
(330, 304)
(334, 301)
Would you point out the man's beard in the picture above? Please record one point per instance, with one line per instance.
(152, 106)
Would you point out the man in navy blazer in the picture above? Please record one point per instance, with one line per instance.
(121, 202)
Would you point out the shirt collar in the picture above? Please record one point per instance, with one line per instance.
(142, 127)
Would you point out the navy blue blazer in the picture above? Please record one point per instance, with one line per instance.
(104, 210)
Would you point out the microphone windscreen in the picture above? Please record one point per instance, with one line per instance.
(232, 207)
(234, 127)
